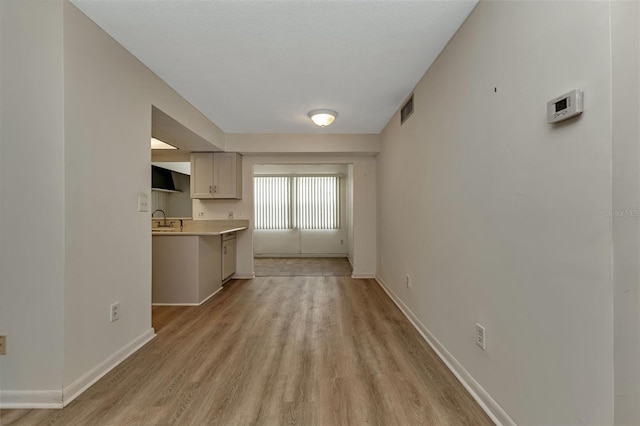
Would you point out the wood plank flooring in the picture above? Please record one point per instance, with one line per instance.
(301, 266)
(276, 351)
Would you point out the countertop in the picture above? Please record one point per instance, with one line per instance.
(201, 227)
(208, 231)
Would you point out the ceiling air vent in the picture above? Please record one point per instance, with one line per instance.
(407, 110)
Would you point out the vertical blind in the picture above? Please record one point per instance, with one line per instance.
(273, 203)
(309, 202)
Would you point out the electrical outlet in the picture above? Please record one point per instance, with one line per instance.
(341, 242)
(3, 345)
(230, 215)
(480, 337)
(114, 312)
(201, 214)
(408, 280)
(143, 203)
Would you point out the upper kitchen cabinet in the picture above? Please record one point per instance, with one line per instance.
(216, 175)
(202, 175)
(227, 175)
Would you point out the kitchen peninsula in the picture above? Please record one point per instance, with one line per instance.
(192, 258)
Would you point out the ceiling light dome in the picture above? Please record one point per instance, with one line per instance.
(322, 117)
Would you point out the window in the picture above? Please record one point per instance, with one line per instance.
(273, 200)
(297, 202)
(317, 202)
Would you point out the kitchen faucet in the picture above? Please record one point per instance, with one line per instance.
(161, 225)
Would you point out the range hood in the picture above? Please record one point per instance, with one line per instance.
(162, 180)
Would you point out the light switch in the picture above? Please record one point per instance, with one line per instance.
(143, 203)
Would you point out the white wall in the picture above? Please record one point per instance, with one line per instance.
(32, 193)
(499, 217)
(364, 238)
(300, 242)
(625, 44)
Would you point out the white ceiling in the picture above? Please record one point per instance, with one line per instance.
(261, 66)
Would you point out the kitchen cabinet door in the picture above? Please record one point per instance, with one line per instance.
(216, 175)
(202, 173)
(228, 258)
(227, 175)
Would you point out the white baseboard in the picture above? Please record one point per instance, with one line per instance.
(59, 398)
(482, 397)
(188, 304)
(362, 276)
(30, 399)
(71, 392)
(210, 296)
(243, 277)
(176, 304)
(298, 255)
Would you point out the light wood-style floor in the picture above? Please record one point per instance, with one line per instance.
(276, 351)
(301, 266)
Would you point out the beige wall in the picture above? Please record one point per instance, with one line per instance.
(260, 143)
(170, 155)
(625, 44)
(108, 99)
(32, 200)
(500, 218)
(74, 104)
(180, 202)
(349, 209)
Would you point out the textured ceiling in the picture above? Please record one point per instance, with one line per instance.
(260, 66)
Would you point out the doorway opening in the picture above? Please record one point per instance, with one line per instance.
(302, 219)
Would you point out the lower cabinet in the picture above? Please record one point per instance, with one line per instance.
(186, 270)
(228, 255)
(189, 269)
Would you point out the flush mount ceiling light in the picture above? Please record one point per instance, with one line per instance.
(322, 117)
(158, 144)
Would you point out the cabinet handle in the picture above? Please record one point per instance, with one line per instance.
(225, 249)
(215, 188)
(209, 189)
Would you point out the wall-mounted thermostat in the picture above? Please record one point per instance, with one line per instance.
(565, 106)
